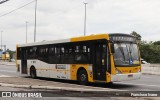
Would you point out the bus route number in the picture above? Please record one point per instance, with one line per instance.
(33, 61)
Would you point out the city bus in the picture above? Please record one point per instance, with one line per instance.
(96, 58)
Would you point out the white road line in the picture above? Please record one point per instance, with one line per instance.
(139, 84)
(7, 71)
(5, 76)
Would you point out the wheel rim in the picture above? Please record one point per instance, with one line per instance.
(83, 77)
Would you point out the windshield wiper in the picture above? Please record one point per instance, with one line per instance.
(130, 54)
(122, 51)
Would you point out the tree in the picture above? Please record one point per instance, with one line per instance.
(150, 52)
(157, 43)
(137, 36)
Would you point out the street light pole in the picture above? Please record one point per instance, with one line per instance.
(1, 40)
(35, 21)
(3, 1)
(85, 18)
(26, 31)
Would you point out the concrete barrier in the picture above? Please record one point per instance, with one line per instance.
(151, 69)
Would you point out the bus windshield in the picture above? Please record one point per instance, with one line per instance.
(126, 54)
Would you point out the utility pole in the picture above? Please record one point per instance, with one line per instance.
(85, 18)
(3, 1)
(26, 31)
(35, 21)
(1, 39)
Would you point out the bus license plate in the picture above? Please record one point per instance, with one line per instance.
(130, 75)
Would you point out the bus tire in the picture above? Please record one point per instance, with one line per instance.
(33, 72)
(82, 77)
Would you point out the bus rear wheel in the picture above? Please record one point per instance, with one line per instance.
(82, 77)
(33, 72)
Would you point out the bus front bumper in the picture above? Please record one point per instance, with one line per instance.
(125, 77)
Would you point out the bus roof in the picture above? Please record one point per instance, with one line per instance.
(74, 39)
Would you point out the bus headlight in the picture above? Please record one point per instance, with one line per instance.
(118, 72)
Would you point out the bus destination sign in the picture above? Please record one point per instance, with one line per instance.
(123, 38)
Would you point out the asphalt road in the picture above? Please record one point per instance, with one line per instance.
(59, 95)
(146, 83)
(6, 70)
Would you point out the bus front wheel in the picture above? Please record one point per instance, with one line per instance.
(82, 77)
(33, 72)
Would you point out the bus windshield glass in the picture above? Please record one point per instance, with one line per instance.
(126, 54)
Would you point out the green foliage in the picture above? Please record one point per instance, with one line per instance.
(157, 43)
(150, 52)
(138, 36)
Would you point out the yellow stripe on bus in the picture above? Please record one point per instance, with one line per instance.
(91, 37)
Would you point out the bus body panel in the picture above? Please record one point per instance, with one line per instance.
(126, 70)
(70, 71)
(60, 71)
(42, 68)
(74, 71)
(125, 77)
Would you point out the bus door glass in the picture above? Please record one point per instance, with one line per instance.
(24, 61)
(100, 65)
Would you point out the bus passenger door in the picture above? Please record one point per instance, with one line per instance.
(100, 61)
(24, 61)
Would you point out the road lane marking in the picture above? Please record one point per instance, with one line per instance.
(139, 84)
(5, 76)
(7, 71)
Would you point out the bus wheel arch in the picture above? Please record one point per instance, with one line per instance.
(33, 73)
(82, 76)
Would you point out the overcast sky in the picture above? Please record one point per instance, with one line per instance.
(59, 19)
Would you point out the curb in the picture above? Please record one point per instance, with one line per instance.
(55, 88)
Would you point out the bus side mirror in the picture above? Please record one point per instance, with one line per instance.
(112, 47)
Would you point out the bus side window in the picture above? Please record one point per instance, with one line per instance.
(32, 52)
(43, 53)
(63, 51)
(67, 54)
(78, 56)
(82, 53)
(57, 57)
(51, 53)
